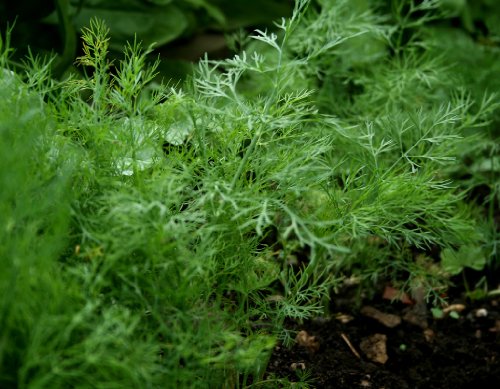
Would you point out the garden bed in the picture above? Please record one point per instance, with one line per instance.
(450, 353)
(318, 210)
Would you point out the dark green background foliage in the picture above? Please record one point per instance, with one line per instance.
(52, 26)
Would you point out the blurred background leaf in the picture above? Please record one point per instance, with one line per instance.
(183, 30)
(153, 25)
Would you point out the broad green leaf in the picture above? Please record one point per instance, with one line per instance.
(454, 261)
(156, 25)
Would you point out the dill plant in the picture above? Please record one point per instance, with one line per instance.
(403, 119)
(173, 216)
(162, 257)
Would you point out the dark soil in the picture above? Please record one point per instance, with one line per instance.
(460, 352)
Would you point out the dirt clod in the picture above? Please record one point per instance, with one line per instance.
(307, 341)
(375, 348)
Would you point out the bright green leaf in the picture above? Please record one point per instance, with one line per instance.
(454, 261)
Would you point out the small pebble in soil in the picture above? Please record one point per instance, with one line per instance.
(303, 339)
(429, 334)
(298, 365)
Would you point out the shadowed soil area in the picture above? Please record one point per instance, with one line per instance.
(384, 345)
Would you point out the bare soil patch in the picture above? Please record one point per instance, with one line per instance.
(382, 344)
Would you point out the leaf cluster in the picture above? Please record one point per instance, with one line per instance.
(161, 236)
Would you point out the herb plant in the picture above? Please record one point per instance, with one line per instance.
(157, 236)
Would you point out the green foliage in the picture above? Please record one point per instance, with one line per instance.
(51, 29)
(156, 22)
(454, 261)
(35, 209)
(160, 237)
